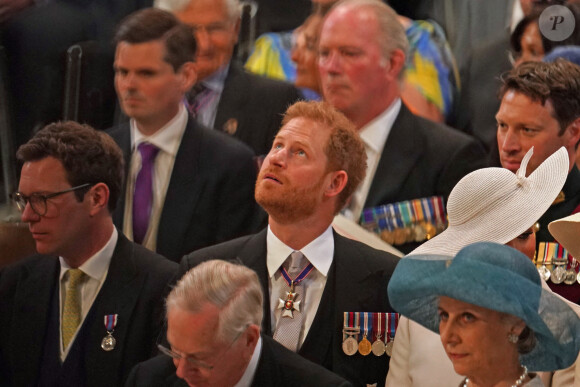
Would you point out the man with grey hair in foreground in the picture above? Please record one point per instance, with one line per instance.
(214, 315)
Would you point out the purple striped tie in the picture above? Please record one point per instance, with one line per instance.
(199, 98)
(143, 196)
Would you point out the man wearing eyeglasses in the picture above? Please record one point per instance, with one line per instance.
(213, 328)
(89, 306)
(227, 98)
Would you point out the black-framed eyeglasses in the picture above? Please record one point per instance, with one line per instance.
(38, 201)
(192, 361)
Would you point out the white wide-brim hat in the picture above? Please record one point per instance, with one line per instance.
(497, 205)
(567, 233)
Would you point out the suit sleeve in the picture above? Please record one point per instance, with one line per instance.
(398, 375)
(132, 379)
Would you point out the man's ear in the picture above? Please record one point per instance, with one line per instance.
(98, 197)
(396, 64)
(572, 134)
(338, 180)
(188, 75)
(518, 327)
(251, 338)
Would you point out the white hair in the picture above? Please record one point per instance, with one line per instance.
(233, 288)
(392, 32)
(233, 6)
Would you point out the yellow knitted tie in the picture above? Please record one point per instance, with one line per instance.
(71, 315)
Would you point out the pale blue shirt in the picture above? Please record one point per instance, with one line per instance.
(207, 114)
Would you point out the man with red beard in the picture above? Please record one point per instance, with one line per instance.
(310, 274)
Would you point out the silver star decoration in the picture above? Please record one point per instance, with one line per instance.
(290, 296)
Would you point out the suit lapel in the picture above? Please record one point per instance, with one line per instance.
(402, 149)
(230, 104)
(118, 295)
(253, 255)
(34, 299)
(318, 342)
(356, 289)
(349, 288)
(183, 191)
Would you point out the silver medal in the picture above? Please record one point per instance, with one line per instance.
(558, 275)
(544, 272)
(109, 342)
(350, 346)
(378, 347)
(389, 348)
(570, 277)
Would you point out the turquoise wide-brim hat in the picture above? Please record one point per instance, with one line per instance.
(495, 277)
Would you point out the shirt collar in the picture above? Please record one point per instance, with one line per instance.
(168, 137)
(97, 265)
(375, 133)
(319, 252)
(217, 80)
(248, 376)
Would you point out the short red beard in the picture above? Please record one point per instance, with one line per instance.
(288, 204)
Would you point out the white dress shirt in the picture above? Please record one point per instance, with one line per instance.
(167, 139)
(320, 253)
(248, 376)
(374, 136)
(95, 270)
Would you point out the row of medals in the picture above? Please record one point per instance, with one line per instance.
(560, 274)
(417, 232)
(351, 347)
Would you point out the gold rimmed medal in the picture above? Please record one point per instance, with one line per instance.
(364, 347)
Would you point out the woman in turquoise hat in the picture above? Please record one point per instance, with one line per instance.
(494, 318)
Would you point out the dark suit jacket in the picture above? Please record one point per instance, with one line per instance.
(421, 159)
(210, 197)
(357, 282)
(276, 366)
(569, 206)
(257, 104)
(135, 287)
